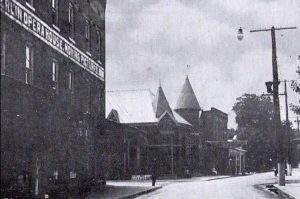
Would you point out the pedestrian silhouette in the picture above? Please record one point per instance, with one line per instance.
(154, 172)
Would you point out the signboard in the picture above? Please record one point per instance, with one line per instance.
(140, 177)
(28, 20)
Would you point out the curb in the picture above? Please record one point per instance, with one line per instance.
(234, 176)
(218, 178)
(284, 194)
(280, 193)
(140, 193)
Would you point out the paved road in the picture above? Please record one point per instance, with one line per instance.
(241, 187)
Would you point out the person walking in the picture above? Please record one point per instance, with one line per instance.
(153, 178)
(154, 172)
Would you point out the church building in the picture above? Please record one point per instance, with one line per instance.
(177, 140)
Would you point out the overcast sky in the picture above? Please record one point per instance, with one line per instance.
(146, 39)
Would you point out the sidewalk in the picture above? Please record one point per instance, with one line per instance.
(123, 192)
(164, 182)
(292, 187)
(131, 189)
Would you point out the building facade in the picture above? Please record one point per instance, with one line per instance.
(214, 124)
(52, 91)
(180, 141)
(166, 149)
(220, 154)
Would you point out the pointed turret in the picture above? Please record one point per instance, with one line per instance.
(187, 104)
(187, 98)
(160, 103)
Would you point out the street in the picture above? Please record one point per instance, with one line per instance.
(150, 99)
(231, 188)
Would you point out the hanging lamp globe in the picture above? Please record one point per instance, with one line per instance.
(240, 34)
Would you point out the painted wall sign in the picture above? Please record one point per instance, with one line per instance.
(140, 177)
(28, 20)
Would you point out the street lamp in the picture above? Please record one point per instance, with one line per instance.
(277, 121)
(240, 34)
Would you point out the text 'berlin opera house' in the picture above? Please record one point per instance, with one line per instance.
(52, 90)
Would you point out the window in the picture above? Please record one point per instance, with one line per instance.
(89, 98)
(88, 34)
(71, 20)
(87, 29)
(55, 74)
(71, 80)
(100, 98)
(72, 174)
(54, 5)
(29, 64)
(99, 44)
(3, 51)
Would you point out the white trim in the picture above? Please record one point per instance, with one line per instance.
(101, 69)
(99, 62)
(72, 40)
(55, 27)
(30, 6)
(87, 52)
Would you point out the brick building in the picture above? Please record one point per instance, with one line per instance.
(168, 136)
(52, 91)
(220, 154)
(177, 139)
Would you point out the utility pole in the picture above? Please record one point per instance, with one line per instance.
(286, 103)
(277, 121)
(287, 143)
(287, 128)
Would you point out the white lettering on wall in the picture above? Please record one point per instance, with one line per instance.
(17, 12)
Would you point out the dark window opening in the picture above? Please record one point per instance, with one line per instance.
(55, 75)
(99, 45)
(88, 34)
(89, 98)
(71, 80)
(71, 20)
(29, 64)
(3, 52)
(54, 6)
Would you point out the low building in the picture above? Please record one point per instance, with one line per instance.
(213, 125)
(168, 134)
(180, 139)
(124, 149)
(225, 156)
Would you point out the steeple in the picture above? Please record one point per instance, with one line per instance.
(160, 103)
(187, 98)
(187, 105)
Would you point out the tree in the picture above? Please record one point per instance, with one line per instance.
(296, 87)
(254, 115)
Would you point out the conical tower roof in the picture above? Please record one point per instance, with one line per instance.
(160, 103)
(187, 98)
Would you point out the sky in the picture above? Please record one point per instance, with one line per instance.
(148, 40)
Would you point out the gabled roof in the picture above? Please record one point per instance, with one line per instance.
(136, 106)
(113, 116)
(160, 103)
(133, 106)
(187, 98)
(167, 114)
